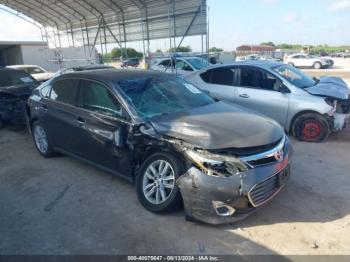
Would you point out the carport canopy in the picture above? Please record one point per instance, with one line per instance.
(92, 22)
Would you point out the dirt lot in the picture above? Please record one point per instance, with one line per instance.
(61, 206)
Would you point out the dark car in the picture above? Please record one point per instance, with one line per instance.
(174, 141)
(134, 62)
(15, 89)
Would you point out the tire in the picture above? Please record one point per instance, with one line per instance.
(317, 65)
(311, 127)
(291, 64)
(41, 141)
(1, 123)
(170, 199)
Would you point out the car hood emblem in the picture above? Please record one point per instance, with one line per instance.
(279, 155)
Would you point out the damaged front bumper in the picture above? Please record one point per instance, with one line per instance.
(13, 109)
(341, 121)
(217, 200)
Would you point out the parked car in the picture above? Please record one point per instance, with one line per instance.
(180, 65)
(15, 89)
(308, 108)
(81, 68)
(133, 62)
(173, 140)
(39, 73)
(305, 61)
(342, 55)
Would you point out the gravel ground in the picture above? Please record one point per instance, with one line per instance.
(62, 206)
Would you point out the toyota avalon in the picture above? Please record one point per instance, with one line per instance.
(176, 143)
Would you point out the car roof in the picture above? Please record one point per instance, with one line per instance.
(89, 67)
(111, 75)
(256, 63)
(180, 57)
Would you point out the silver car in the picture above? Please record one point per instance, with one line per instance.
(306, 107)
(180, 65)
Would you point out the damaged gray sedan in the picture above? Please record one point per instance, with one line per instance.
(175, 142)
(308, 108)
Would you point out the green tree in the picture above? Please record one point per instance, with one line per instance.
(159, 51)
(181, 49)
(215, 50)
(270, 43)
(130, 52)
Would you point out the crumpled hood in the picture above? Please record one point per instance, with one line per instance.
(331, 87)
(219, 126)
(19, 90)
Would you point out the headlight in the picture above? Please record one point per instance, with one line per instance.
(333, 104)
(216, 165)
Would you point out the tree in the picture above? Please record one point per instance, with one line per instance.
(181, 49)
(159, 51)
(130, 52)
(215, 50)
(268, 43)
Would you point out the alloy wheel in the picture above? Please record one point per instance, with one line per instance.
(40, 139)
(158, 182)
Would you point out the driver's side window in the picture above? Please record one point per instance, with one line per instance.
(258, 79)
(181, 65)
(97, 98)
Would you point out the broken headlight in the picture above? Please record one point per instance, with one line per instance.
(216, 165)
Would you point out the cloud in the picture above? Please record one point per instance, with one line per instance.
(290, 17)
(270, 2)
(340, 5)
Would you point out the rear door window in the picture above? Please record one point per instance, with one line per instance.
(220, 76)
(96, 97)
(64, 91)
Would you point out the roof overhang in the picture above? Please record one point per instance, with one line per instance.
(110, 21)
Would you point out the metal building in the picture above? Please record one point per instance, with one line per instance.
(37, 53)
(91, 23)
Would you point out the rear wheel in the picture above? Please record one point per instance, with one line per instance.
(317, 65)
(156, 183)
(291, 64)
(311, 128)
(41, 140)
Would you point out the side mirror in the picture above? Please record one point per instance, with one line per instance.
(206, 92)
(283, 89)
(120, 137)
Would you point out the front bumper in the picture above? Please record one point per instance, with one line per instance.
(245, 194)
(13, 109)
(341, 121)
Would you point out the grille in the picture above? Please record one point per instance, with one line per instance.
(264, 191)
(263, 161)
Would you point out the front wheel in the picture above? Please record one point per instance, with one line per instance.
(317, 65)
(156, 183)
(41, 140)
(311, 128)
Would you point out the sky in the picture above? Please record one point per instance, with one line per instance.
(237, 22)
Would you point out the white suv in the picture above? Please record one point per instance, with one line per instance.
(304, 60)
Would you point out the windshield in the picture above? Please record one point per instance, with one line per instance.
(159, 96)
(295, 76)
(11, 78)
(198, 63)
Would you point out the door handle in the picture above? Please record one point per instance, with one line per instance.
(244, 96)
(43, 108)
